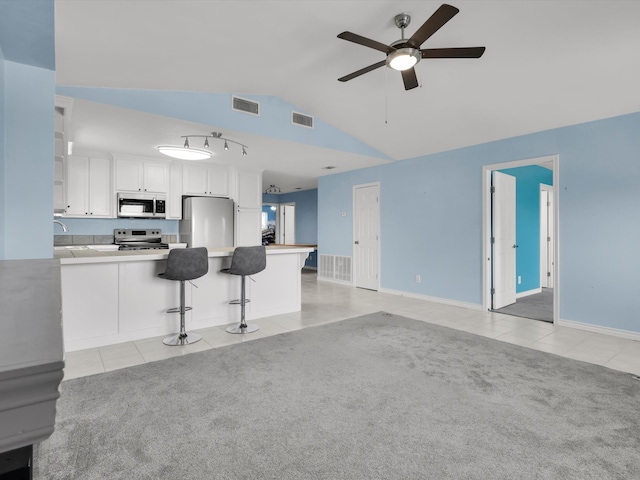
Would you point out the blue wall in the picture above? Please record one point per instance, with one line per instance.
(431, 218)
(2, 153)
(27, 88)
(528, 180)
(28, 169)
(271, 214)
(306, 214)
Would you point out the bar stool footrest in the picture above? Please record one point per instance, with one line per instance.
(239, 301)
(177, 309)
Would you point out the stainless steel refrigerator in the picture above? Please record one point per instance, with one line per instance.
(207, 222)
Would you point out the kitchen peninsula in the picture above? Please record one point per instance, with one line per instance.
(111, 297)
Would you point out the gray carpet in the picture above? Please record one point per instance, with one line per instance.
(537, 307)
(374, 397)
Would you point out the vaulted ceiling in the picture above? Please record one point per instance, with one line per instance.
(547, 64)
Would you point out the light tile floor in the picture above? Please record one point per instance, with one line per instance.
(324, 302)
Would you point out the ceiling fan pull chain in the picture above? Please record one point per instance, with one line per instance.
(386, 95)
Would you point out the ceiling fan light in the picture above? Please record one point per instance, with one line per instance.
(183, 153)
(403, 58)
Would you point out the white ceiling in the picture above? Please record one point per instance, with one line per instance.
(547, 64)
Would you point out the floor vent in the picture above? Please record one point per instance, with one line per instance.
(334, 267)
(302, 120)
(244, 105)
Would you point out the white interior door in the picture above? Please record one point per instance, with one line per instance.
(366, 236)
(546, 236)
(504, 240)
(288, 223)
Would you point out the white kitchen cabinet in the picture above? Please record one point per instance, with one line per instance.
(248, 227)
(59, 201)
(174, 200)
(206, 180)
(88, 186)
(133, 175)
(248, 189)
(62, 113)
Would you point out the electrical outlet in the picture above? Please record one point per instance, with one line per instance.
(417, 278)
(519, 279)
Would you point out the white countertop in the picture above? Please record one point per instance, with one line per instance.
(95, 254)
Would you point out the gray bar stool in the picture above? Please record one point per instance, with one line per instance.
(245, 261)
(184, 264)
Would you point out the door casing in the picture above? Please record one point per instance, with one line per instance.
(554, 161)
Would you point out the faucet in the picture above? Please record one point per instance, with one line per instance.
(64, 227)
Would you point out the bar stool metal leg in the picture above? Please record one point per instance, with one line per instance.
(243, 327)
(182, 338)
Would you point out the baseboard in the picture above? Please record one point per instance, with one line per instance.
(529, 292)
(615, 332)
(445, 301)
(333, 280)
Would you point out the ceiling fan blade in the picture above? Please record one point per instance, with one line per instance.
(409, 78)
(456, 52)
(362, 71)
(367, 42)
(432, 25)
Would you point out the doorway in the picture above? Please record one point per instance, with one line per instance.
(535, 296)
(366, 236)
(287, 224)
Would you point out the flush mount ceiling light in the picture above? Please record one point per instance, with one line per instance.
(403, 59)
(186, 152)
(273, 189)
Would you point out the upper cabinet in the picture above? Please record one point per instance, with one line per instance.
(88, 187)
(205, 179)
(62, 113)
(248, 189)
(174, 199)
(137, 175)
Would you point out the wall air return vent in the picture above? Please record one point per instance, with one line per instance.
(302, 120)
(243, 105)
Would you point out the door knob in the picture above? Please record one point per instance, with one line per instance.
(515, 246)
(357, 242)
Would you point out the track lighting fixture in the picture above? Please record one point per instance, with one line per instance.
(273, 189)
(186, 152)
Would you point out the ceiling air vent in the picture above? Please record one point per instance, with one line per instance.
(300, 119)
(244, 105)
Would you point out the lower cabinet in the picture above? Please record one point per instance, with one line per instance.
(112, 301)
(248, 227)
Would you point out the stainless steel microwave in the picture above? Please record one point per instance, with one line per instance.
(142, 205)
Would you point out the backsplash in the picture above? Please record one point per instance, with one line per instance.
(98, 227)
(65, 240)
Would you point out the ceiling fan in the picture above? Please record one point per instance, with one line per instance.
(403, 54)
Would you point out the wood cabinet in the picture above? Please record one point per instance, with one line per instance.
(209, 180)
(133, 175)
(88, 187)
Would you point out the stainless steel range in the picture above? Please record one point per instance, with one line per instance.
(130, 239)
